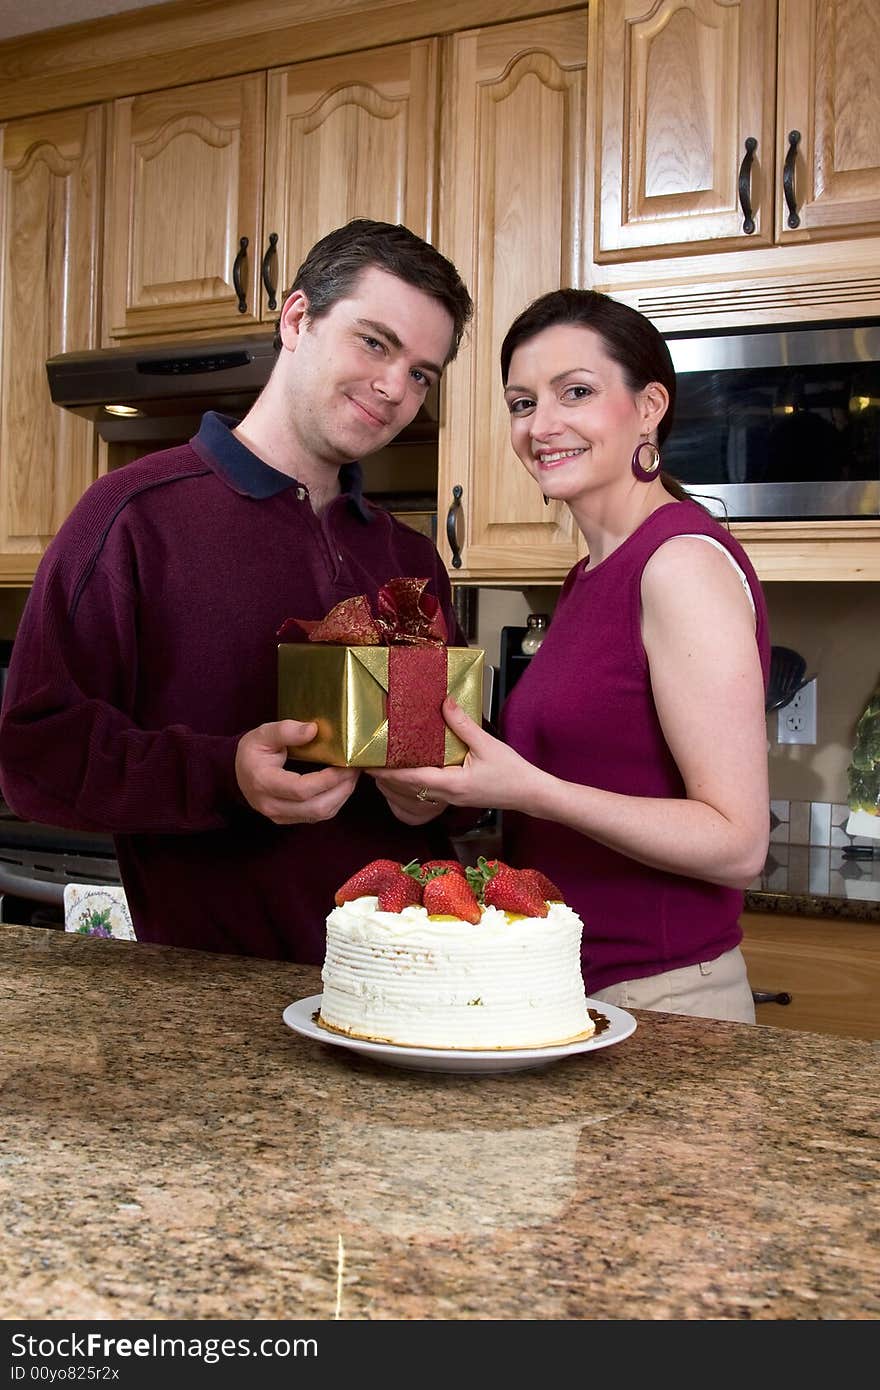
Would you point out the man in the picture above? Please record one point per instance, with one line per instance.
(142, 690)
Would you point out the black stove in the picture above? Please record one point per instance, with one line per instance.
(36, 861)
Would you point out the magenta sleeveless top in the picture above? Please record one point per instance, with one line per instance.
(583, 710)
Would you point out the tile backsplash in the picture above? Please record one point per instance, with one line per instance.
(812, 823)
(807, 840)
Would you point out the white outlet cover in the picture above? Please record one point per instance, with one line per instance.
(796, 721)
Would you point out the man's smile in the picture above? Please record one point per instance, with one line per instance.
(371, 416)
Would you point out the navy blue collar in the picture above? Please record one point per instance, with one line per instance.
(246, 473)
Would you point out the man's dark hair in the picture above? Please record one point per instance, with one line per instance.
(330, 270)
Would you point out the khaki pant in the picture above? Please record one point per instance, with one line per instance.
(713, 989)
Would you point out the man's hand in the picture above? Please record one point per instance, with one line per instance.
(288, 798)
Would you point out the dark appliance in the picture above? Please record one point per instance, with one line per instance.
(779, 423)
(36, 861)
(161, 392)
(147, 398)
(512, 662)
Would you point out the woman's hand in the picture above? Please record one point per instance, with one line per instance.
(491, 775)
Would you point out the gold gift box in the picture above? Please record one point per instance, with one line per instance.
(345, 690)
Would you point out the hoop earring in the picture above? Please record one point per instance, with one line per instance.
(645, 472)
(546, 499)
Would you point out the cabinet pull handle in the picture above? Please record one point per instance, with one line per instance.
(770, 996)
(794, 139)
(451, 532)
(264, 270)
(745, 185)
(236, 275)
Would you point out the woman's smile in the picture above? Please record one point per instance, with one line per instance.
(551, 458)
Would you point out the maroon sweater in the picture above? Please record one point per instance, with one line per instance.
(148, 647)
(584, 711)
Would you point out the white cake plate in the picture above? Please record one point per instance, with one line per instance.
(300, 1016)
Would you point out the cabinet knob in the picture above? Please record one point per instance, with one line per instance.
(770, 996)
(745, 185)
(236, 275)
(794, 139)
(265, 270)
(451, 529)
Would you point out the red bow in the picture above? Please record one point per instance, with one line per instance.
(407, 616)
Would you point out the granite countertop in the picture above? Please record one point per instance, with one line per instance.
(170, 1150)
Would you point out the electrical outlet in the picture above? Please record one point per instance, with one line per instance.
(797, 719)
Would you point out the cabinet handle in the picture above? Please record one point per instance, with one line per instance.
(745, 185)
(769, 996)
(264, 270)
(451, 532)
(794, 139)
(236, 275)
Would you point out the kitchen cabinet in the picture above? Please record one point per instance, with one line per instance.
(828, 551)
(714, 133)
(512, 220)
(501, 175)
(348, 137)
(829, 966)
(216, 190)
(50, 212)
(184, 208)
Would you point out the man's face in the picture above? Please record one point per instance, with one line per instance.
(356, 376)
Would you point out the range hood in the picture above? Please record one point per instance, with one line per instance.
(161, 392)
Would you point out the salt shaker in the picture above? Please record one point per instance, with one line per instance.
(536, 631)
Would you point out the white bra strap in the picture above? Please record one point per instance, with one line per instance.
(698, 535)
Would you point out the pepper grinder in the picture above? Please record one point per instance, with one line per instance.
(536, 631)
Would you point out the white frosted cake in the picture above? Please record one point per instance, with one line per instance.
(420, 980)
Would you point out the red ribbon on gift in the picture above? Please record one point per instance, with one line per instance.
(407, 616)
(411, 623)
(417, 679)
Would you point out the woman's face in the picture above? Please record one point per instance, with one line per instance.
(574, 423)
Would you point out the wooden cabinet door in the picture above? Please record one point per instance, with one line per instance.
(830, 967)
(681, 86)
(829, 95)
(50, 217)
(348, 137)
(512, 221)
(185, 188)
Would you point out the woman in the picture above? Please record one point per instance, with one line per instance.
(633, 770)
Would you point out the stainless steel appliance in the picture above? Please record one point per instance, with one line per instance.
(779, 423)
(36, 861)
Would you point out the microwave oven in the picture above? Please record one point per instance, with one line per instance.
(779, 423)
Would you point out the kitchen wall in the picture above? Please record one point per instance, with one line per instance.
(835, 627)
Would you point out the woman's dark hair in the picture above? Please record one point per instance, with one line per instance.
(331, 268)
(628, 337)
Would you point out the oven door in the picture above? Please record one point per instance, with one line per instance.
(36, 861)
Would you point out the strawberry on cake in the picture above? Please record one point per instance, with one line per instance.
(434, 955)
